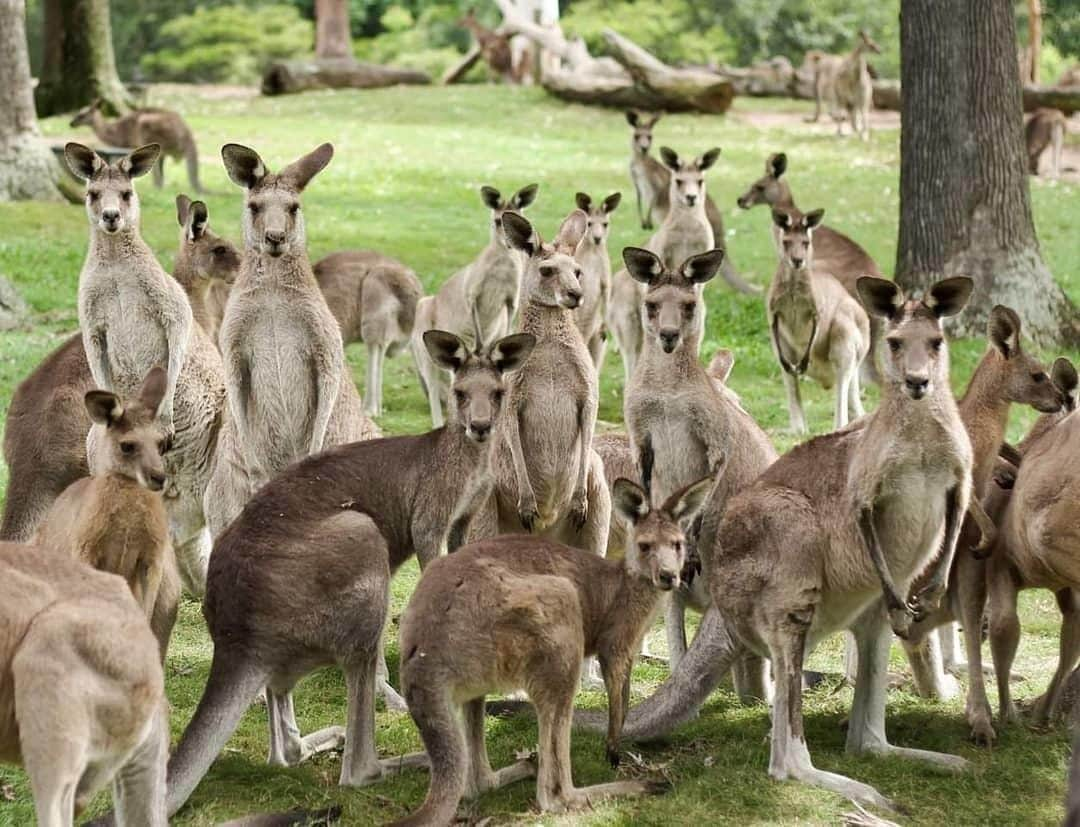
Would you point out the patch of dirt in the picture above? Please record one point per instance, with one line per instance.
(879, 119)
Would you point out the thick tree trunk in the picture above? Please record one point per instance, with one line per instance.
(332, 38)
(965, 207)
(27, 168)
(303, 75)
(79, 64)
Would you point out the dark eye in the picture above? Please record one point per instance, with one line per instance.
(93, 196)
(577, 273)
(644, 548)
(936, 344)
(547, 272)
(652, 308)
(253, 208)
(894, 345)
(294, 209)
(127, 448)
(1039, 377)
(218, 251)
(126, 195)
(498, 397)
(759, 188)
(677, 546)
(688, 309)
(460, 397)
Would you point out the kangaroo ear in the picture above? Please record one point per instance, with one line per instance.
(511, 352)
(183, 204)
(632, 118)
(300, 172)
(200, 216)
(670, 159)
(611, 202)
(880, 296)
(491, 197)
(446, 349)
(524, 197)
(104, 407)
(583, 201)
(702, 267)
(813, 218)
(642, 265)
(152, 390)
(83, 161)
(709, 158)
(246, 169)
(628, 499)
(685, 504)
(948, 297)
(141, 161)
(776, 165)
(653, 120)
(571, 231)
(1003, 330)
(782, 219)
(1063, 374)
(720, 366)
(519, 233)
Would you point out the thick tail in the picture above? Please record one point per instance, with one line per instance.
(309, 818)
(735, 281)
(232, 686)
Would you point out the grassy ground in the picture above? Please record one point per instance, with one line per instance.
(405, 178)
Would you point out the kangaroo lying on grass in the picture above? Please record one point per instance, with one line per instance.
(522, 612)
(206, 266)
(286, 596)
(82, 695)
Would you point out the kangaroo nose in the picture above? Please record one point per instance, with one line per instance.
(669, 338)
(275, 236)
(110, 216)
(916, 385)
(481, 430)
(797, 263)
(667, 580)
(573, 298)
(691, 199)
(741, 201)
(156, 481)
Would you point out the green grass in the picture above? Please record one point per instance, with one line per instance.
(404, 180)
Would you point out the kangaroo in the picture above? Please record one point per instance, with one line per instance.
(810, 547)
(206, 265)
(134, 317)
(494, 47)
(115, 520)
(355, 514)
(824, 67)
(522, 612)
(834, 252)
(82, 694)
(1045, 127)
(147, 126)
(290, 390)
(815, 326)
(481, 299)
(548, 480)
(592, 255)
(854, 88)
(374, 298)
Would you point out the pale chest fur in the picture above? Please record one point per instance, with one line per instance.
(493, 281)
(684, 233)
(595, 284)
(644, 183)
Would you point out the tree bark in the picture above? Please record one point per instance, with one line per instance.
(79, 64)
(27, 168)
(332, 37)
(965, 207)
(288, 77)
(1034, 39)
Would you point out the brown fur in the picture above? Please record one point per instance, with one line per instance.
(853, 87)
(206, 265)
(1045, 128)
(494, 47)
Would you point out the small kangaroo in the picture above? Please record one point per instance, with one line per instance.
(549, 481)
(686, 230)
(206, 265)
(146, 126)
(522, 612)
(374, 298)
(115, 520)
(854, 88)
(592, 255)
(354, 514)
(815, 326)
(1045, 128)
(494, 47)
(82, 694)
(481, 299)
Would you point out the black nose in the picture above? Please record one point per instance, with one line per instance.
(275, 237)
(797, 263)
(917, 386)
(574, 297)
(481, 430)
(157, 481)
(669, 338)
(741, 202)
(110, 216)
(690, 199)
(667, 579)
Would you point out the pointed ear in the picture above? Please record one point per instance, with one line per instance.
(670, 159)
(141, 161)
(199, 218)
(776, 165)
(491, 197)
(183, 204)
(519, 233)
(720, 366)
(813, 218)
(524, 197)
(583, 201)
(83, 161)
(511, 352)
(684, 505)
(642, 265)
(702, 267)
(446, 349)
(880, 297)
(948, 297)
(653, 120)
(628, 499)
(782, 219)
(1003, 330)
(571, 231)
(300, 172)
(1063, 374)
(708, 159)
(104, 407)
(611, 202)
(246, 169)
(152, 390)
(632, 118)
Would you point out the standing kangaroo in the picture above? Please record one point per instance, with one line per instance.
(809, 548)
(290, 390)
(521, 613)
(824, 67)
(354, 514)
(147, 126)
(816, 327)
(206, 265)
(592, 254)
(1045, 127)
(494, 47)
(134, 317)
(374, 298)
(854, 88)
(478, 300)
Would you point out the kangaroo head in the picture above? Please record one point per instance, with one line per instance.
(552, 275)
(656, 544)
(866, 42)
(85, 116)
(112, 204)
(598, 215)
(134, 440)
(796, 236)
(688, 177)
(671, 299)
(478, 383)
(493, 199)
(642, 124)
(1063, 374)
(273, 222)
(916, 359)
(1026, 381)
(768, 189)
(210, 256)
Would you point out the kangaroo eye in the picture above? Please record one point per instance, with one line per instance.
(644, 548)
(294, 209)
(688, 309)
(651, 308)
(253, 208)
(1039, 377)
(460, 397)
(498, 396)
(218, 251)
(577, 273)
(547, 272)
(677, 546)
(127, 448)
(93, 196)
(126, 195)
(936, 344)
(894, 345)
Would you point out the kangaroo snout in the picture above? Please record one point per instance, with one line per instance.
(668, 580)
(155, 480)
(668, 340)
(111, 219)
(916, 386)
(572, 299)
(480, 431)
(691, 199)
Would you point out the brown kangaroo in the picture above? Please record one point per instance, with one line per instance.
(494, 47)
(854, 88)
(1045, 128)
(592, 254)
(206, 265)
(521, 613)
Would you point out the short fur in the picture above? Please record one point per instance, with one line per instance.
(854, 88)
(1045, 128)
(206, 265)
(592, 254)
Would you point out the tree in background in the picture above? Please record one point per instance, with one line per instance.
(27, 168)
(332, 37)
(965, 206)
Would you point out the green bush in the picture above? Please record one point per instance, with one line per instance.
(228, 43)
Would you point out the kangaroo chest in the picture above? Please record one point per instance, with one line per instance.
(684, 234)
(669, 419)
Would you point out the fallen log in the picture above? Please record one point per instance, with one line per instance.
(458, 71)
(1065, 98)
(289, 77)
